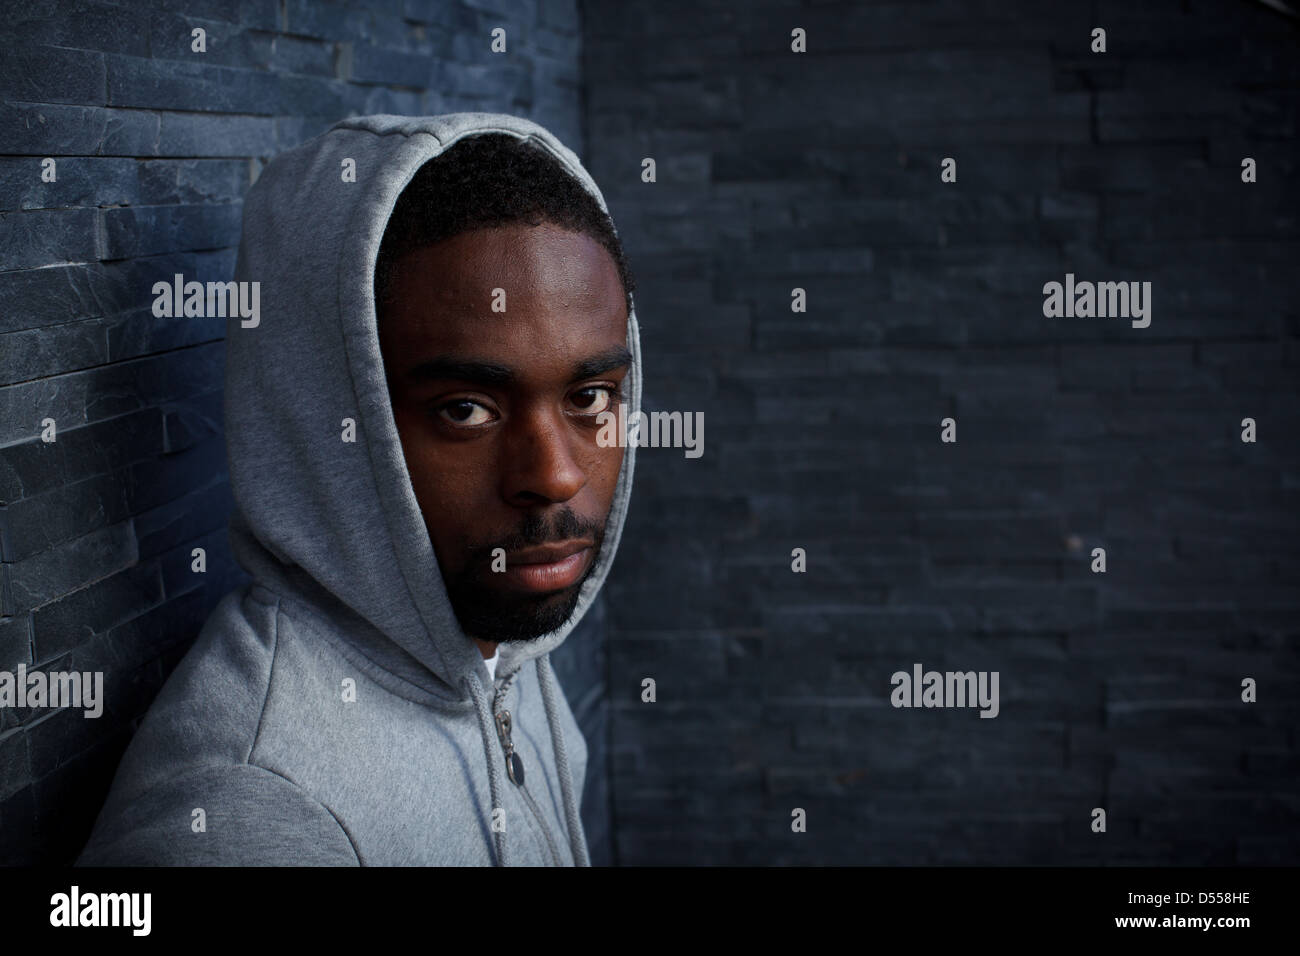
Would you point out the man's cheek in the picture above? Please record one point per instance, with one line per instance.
(603, 461)
(612, 466)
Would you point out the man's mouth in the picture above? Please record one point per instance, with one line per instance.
(551, 567)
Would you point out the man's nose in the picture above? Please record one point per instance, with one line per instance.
(540, 467)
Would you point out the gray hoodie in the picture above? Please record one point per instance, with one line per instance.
(332, 711)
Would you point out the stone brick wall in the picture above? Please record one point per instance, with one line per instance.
(1118, 690)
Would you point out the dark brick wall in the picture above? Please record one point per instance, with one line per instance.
(155, 146)
(822, 171)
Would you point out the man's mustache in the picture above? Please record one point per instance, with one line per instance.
(536, 530)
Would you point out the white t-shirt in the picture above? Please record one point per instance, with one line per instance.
(491, 662)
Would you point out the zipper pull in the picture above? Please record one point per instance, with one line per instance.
(514, 765)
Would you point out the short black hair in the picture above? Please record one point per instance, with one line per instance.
(486, 180)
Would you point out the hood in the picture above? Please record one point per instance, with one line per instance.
(336, 526)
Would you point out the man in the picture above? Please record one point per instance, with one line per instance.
(423, 506)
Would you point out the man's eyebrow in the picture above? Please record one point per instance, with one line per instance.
(503, 376)
(607, 361)
(464, 370)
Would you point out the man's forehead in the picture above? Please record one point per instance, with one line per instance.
(469, 290)
(540, 260)
(530, 329)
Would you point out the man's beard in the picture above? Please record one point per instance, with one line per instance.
(496, 615)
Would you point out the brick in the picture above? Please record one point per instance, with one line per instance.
(82, 181)
(156, 481)
(34, 467)
(141, 333)
(40, 522)
(561, 15)
(15, 644)
(60, 294)
(140, 639)
(171, 38)
(151, 230)
(52, 130)
(372, 64)
(74, 564)
(107, 391)
(299, 94)
(192, 134)
(96, 26)
(60, 737)
(49, 74)
(44, 237)
(182, 85)
(188, 423)
(230, 11)
(304, 55)
(221, 569)
(330, 21)
(185, 518)
(192, 181)
(62, 625)
(39, 353)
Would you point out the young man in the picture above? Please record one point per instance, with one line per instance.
(422, 503)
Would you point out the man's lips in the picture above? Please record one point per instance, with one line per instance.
(551, 567)
(547, 553)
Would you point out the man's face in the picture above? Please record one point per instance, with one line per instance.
(497, 414)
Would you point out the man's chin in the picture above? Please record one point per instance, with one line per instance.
(501, 615)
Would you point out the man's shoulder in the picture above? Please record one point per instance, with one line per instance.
(189, 789)
(209, 708)
(228, 673)
(220, 685)
(221, 815)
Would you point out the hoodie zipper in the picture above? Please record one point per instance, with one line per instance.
(515, 770)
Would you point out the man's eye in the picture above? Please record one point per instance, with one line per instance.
(465, 412)
(594, 400)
